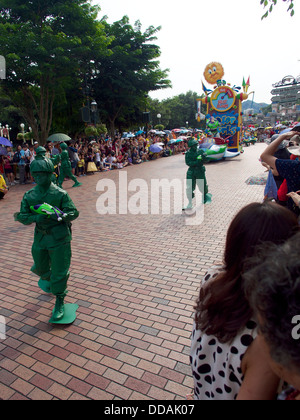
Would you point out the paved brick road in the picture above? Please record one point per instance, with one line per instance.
(135, 279)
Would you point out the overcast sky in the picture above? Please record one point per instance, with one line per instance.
(196, 32)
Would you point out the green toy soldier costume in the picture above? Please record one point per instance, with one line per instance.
(195, 159)
(51, 249)
(40, 155)
(65, 168)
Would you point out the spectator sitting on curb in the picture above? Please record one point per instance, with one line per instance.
(3, 187)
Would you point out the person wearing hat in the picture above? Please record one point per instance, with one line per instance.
(287, 169)
(66, 169)
(195, 159)
(51, 249)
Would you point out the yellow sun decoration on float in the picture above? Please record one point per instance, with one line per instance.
(213, 72)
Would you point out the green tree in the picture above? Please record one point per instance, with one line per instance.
(9, 114)
(269, 4)
(124, 78)
(177, 111)
(46, 44)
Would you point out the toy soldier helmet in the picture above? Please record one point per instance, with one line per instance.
(193, 142)
(42, 164)
(40, 153)
(63, 146)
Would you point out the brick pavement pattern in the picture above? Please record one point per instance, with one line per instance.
(135, 279)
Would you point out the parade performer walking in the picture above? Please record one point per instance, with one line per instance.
(195, 159)
(65, 168)
(51, 249)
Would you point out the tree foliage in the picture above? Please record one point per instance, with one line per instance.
(52, 46)
(178, 111)
(269, 4)
(46, 45)
(124, 78)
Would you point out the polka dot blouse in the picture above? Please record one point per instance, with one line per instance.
(216, 367)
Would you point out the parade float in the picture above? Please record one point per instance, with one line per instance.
(224, 114)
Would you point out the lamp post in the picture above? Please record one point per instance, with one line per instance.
(94, 108)
(4, 131)
(159, 118)
(31, 138)
(7, 131)
(22, 125)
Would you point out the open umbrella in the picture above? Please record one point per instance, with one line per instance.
(58, 138)
(295, 127)
(154, 148)
(128, 136)
(5, 142)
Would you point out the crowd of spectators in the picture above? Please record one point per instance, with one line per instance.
(88, 156)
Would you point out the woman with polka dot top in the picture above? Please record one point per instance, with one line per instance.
(226, 362)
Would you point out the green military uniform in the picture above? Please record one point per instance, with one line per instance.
(195, 159)
(65, 168)
(51, 249)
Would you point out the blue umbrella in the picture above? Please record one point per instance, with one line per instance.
(295, 128)
(154, 148)
(5, 142)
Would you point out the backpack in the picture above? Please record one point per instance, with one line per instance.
(16, 157)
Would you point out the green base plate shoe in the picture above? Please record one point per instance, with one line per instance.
(188, 207)
(69, 315)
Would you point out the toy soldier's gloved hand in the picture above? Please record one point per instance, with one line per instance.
(46, 222)
(41, 218)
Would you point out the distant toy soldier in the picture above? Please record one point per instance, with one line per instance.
(65, 168)
(195, 159)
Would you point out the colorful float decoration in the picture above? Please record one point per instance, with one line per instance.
(216, 152)
(224, 109)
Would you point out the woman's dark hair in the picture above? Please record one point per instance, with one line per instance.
(222, 309)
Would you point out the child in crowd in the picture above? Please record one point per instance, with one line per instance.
(81, 165)
(3, 187)
(8, 169)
